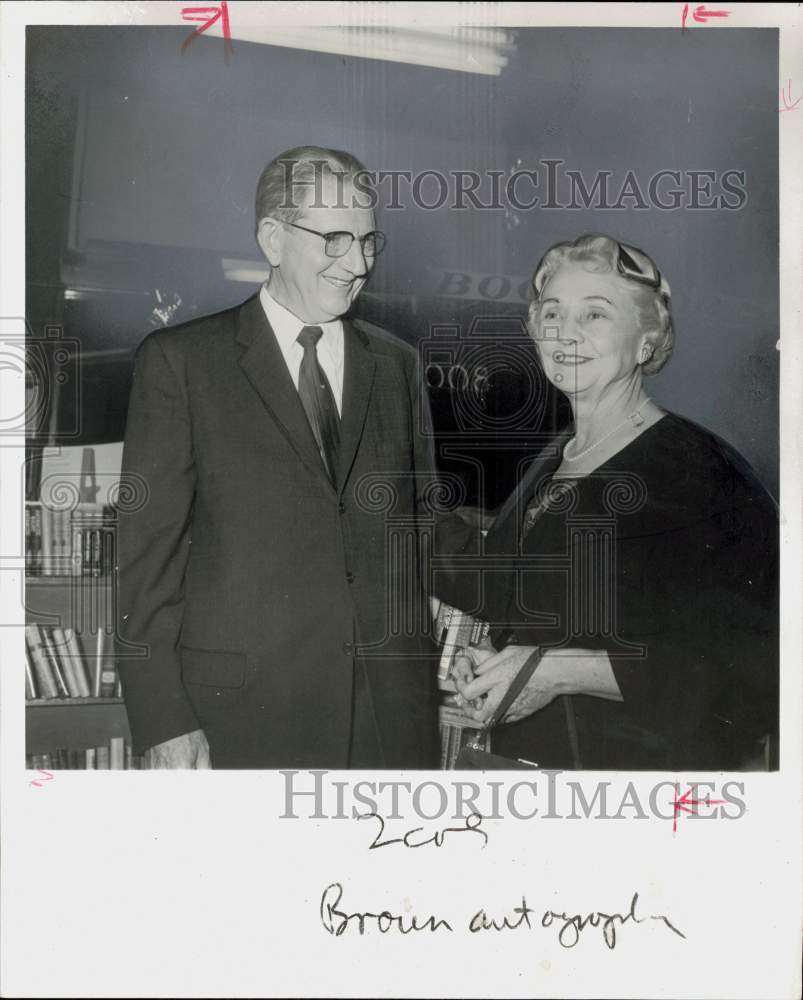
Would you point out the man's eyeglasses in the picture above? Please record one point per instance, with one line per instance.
(338, 244)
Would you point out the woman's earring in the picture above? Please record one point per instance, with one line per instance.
(646, 354)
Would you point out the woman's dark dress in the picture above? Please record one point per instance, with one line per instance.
(667, 558)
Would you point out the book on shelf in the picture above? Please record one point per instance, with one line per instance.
(56, 646)
(33, 470)
(56, 665)
(47, 548)
(46, 686)
(117, 755)
(53, 545)
(76, 542)
(88, 473)
(71, 652)
(105, 679)
(33, 539)
(92, 549)
(30, 682)
(57, 668)
(61, 542)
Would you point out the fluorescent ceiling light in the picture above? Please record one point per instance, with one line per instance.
(463, 49)
(250, 271)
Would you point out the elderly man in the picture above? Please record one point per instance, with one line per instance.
(280, 442)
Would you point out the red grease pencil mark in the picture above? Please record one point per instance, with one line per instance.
(786, 99)
(687, 805)
(38, 784)
(701, 15)
(209, 16)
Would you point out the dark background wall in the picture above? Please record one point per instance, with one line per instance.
(142, 164)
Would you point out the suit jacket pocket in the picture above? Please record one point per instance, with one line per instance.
(212, 667)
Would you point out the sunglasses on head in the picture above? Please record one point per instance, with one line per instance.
(630, 263)
(635, 264)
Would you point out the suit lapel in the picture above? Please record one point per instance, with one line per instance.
(358, 379)
(266, 370)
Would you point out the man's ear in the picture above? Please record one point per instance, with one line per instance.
(269, 237)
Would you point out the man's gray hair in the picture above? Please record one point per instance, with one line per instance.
(291, 180)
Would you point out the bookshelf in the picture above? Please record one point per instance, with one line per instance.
(84, 604)
(73, 723)
(76, 713)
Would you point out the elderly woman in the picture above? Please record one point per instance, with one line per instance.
(638, 554)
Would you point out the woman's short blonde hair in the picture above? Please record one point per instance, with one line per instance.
(651, 291)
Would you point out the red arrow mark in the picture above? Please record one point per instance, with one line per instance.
(701, 15)
(209, 16)
(687, 805)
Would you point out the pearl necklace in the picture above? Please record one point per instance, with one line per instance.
(635, 418)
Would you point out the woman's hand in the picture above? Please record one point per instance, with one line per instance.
(561, 671)
(493, 675)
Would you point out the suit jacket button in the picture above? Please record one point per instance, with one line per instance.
(348, 647)
(341, 508)
(349, 577)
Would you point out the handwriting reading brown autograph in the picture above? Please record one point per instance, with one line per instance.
(570, 926)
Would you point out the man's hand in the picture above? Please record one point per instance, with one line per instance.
(190, 751)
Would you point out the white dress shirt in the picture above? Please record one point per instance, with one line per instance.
(330, 348)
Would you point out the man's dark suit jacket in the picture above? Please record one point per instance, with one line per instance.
(249, 578)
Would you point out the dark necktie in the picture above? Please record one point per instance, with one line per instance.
(318, 401)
